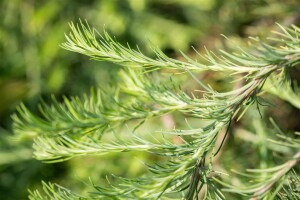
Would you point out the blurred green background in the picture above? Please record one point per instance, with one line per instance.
(33, 66)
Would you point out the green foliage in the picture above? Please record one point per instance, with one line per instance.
(93, 125)
(33, 65)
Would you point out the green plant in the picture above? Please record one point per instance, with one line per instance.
(94, 124)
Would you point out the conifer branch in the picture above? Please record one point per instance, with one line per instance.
(54, 192)
(78, 126)
(83, 39)
(285, 90)
(262, 180)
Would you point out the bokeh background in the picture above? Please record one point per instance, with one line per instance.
(34, 66)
